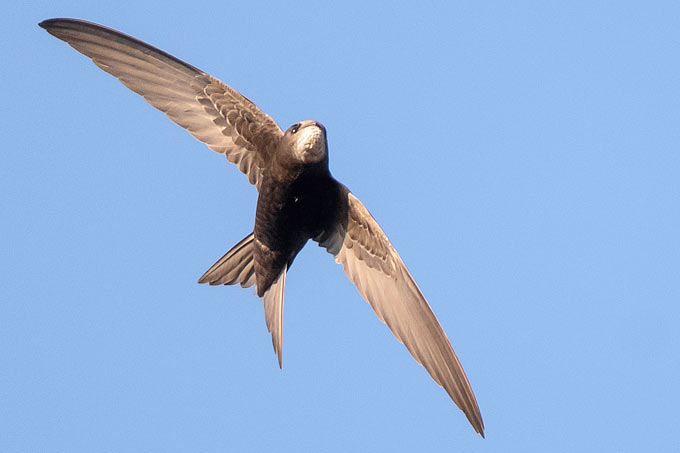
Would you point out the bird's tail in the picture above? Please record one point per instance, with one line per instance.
(236, 266)
(273, 312)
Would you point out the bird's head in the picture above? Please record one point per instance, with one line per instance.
(305, 143)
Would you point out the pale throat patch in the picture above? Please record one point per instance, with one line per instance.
(310, 143)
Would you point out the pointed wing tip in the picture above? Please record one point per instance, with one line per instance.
(478, 425)
(58, 26)
(48, 24)
(474, 416)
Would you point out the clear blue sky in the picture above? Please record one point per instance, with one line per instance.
(523, 157)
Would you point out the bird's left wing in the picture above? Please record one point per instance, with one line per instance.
(214, 113)
(374, 266)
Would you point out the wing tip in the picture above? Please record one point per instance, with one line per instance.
(50, 24)
(46, 23)
(478, 424)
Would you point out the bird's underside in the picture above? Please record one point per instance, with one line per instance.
(298, 199)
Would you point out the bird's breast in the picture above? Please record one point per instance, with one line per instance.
(289, 213)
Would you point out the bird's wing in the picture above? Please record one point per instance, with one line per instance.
(374, 266)
(214, 113)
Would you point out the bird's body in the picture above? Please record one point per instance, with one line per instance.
(298, 199)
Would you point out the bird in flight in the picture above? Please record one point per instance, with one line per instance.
(298, 199)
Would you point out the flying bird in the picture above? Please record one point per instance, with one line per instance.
(298, 199)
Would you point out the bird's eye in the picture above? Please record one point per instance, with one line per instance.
(294, 128)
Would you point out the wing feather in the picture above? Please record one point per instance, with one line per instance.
(211, 111)
(374, 266)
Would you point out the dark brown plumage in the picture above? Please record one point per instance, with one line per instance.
(298, 199)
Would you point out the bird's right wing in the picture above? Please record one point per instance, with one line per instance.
(214, 113)
(374, 266)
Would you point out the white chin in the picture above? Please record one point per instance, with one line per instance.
(313, 155)
(311, 145)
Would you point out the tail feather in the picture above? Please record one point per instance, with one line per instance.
(273, 312)
(236, 266)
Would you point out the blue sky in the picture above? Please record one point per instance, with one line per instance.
(523, 158)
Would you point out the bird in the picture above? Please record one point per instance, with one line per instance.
(298, 199)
